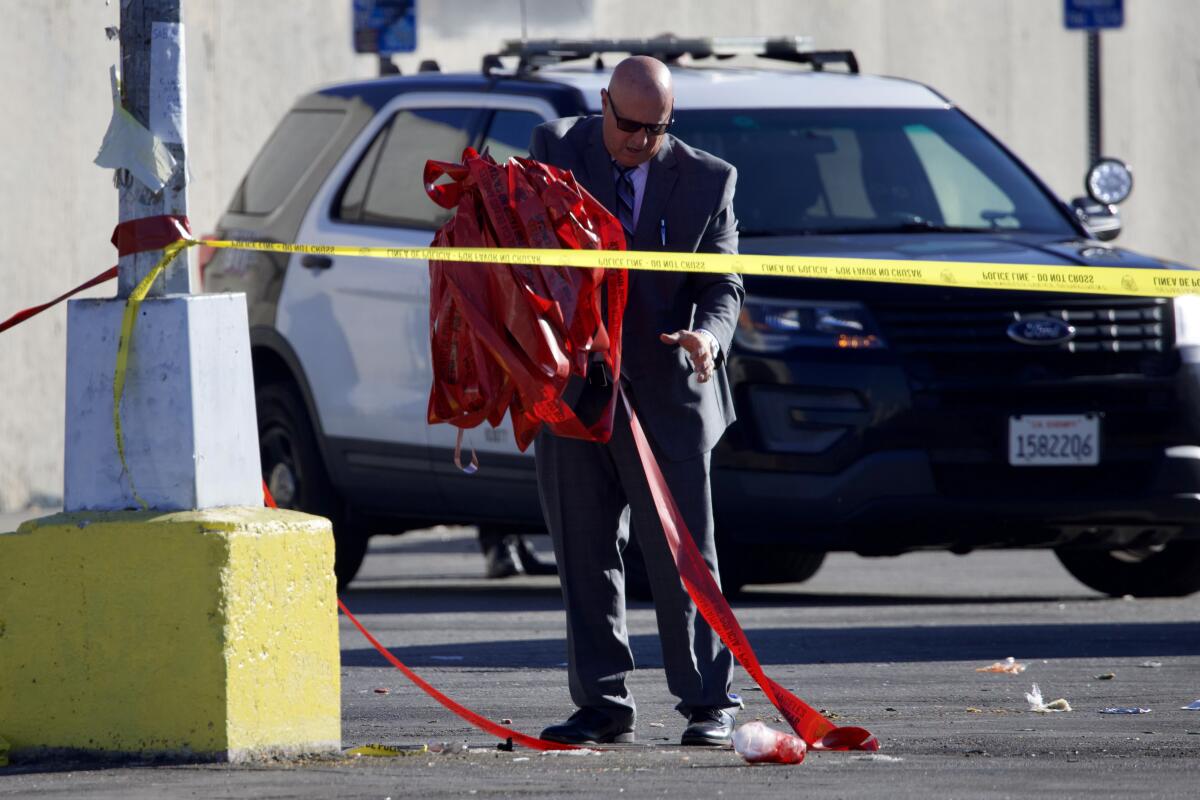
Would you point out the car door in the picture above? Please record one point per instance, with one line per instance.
(360, 326)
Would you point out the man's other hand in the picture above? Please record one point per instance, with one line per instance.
(699, 345)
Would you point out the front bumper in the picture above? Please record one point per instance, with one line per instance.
(890, 503)
(861, 458)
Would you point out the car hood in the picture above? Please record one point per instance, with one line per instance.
(1010, 248)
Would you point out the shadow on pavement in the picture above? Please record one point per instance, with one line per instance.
(850, 645)
(513, 595)
(456, 594)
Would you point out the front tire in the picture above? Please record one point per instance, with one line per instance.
(1170, 570)
(295, 474)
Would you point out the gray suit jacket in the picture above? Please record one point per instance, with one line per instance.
(689, 193)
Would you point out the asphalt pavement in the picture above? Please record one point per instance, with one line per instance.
(889, 644)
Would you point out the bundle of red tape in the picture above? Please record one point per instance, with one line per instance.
(507, 338)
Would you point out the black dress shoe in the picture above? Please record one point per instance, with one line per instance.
(531, 562)
(590, 726)
(709, 727)
(500, 557)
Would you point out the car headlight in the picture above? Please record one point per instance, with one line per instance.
(771, 326)
(1187, 320)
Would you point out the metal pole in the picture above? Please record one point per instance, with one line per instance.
(1094, 119)
(153, 89)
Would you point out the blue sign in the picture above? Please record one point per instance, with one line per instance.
(1093, 14)
(385, 26)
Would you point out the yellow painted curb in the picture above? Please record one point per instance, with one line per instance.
(200, 633)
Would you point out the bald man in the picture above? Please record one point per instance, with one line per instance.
(677, 330)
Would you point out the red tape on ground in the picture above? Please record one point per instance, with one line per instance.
(479, 721)
(816, 731)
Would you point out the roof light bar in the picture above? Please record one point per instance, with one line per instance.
(534, 53)
(667, 46)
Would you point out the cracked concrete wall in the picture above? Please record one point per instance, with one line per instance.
(1009, 63)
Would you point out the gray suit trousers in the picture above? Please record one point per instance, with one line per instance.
(591, 493)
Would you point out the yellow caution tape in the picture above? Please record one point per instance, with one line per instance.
(127, 321)
(956, 274)
(387, 751)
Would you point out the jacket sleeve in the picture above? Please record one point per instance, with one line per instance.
(537, 143)
(718, 297)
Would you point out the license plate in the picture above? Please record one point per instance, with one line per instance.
(1061, 440)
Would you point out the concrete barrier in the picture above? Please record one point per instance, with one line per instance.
(193, 634)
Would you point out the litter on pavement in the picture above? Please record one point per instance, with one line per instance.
(1124, 710)
(1008, 666)
(1036, 702)
(1192, 706)
(387, 750)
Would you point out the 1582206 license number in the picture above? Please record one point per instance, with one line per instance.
(1054, 440)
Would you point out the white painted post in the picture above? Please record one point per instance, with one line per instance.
(188, 417)
(153, 90)
(204, 627)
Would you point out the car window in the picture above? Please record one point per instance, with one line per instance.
(965, 195)
(509, 133)
(354, 195)
(805, 171)
(385, 187)
(290, 151)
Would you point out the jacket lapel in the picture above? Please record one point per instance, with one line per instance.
(659, 183)
(600, 180)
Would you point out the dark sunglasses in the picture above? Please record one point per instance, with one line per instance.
(632, 126)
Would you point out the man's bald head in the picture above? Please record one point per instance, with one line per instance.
(640, 91)
(642, 76)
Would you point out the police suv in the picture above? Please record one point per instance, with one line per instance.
(873, 418)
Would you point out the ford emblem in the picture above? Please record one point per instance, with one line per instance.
(1041, 331)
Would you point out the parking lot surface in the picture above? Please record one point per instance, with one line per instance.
(890, 644)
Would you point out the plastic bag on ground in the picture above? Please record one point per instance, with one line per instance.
(759, 744)
(1037, 704)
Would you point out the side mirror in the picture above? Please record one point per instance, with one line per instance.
(1102, 221)
(1108, 182)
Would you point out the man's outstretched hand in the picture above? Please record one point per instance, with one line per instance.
(699, 345)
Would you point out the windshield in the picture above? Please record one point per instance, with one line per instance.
(817, 171)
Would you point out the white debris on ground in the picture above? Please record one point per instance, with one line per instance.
(1038, 704)
(1008, 666)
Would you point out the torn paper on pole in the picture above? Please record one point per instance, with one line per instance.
(129, 145)
(168, 90)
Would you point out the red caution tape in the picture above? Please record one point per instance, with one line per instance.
(21, 316)
(816, 731)
(504, 339)
(130, 237)
(479, 721)
(149, 233)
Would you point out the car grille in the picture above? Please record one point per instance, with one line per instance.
(1112, 336)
